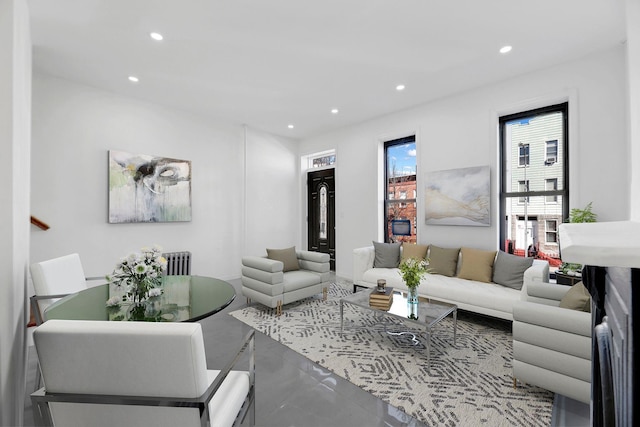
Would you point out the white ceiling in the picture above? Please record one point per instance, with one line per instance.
(270, 63)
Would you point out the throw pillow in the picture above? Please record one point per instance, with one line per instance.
(443, 260)
(387, 255)
(410, 250)
(508, 270)
(287, 256)
(577, 298)
(477, 265)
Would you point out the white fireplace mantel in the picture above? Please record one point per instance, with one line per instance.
(602, 244)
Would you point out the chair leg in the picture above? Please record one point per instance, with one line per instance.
(325, 292)
(279, 308)
(515, 383)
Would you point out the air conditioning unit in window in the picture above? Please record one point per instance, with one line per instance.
(550, 161)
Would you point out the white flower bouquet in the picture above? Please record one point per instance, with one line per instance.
(141, 273)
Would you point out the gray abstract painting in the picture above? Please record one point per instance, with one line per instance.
(146, 188)
(458, 197)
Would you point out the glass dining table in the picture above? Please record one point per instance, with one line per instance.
(183, 299)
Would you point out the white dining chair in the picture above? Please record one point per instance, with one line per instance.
(54, 279)
(100, 373)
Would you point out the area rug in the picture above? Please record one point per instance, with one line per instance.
(467, 385)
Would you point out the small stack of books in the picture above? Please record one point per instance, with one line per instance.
(380, 300)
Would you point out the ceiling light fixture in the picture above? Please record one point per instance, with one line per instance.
(134, 79)
(334, 111)
(505, 49)
(400, 87)
(290, 126)
(156, 36)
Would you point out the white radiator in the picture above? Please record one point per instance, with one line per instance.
(178, 263)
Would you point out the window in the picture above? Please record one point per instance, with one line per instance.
(552, 152)
(523, 156)
(534, 197)
(400, 182)
(321, 160)
(523, 187)
(551, 232)
(551, 184)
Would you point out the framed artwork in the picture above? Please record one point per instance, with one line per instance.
(458, 197)
(145, 188)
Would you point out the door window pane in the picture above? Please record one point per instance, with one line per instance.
(323, 213)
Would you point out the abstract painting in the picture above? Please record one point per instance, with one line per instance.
(458, 197)
(146, 188)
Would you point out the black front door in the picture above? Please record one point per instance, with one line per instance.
(321, 207)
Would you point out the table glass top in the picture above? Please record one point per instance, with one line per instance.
(429, 312)
(184, 298)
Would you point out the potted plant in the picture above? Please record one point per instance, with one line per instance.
(577, 215)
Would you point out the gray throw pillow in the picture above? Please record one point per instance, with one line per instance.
(508, 270)
(443, 261)
(287, 256)
(387, 255)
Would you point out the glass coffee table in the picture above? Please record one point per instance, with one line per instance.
(430, 313)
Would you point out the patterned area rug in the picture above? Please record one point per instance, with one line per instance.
(467, 385)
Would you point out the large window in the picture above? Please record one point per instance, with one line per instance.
(401, 190)
(534, 194)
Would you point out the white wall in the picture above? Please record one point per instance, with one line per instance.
(633, 75)
(15, 99)
(272, 208)
(74, 126)
(461, 131)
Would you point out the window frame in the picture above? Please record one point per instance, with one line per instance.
(395, 200)
(504, 195)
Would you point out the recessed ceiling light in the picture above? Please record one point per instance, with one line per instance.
(156, 36)
(400, 87)
(505, 49)
(290, 126)
(134, 79)
(334, 111)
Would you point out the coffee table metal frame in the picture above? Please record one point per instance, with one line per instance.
(430, 313)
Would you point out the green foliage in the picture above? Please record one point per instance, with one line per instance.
(578, 216)
(582, 215)
(412, 270)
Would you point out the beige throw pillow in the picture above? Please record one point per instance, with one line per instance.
(287, 256)
(410, 250)
(577, 298)
(443, 260)
(477, 265)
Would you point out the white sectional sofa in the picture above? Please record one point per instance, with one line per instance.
(485, 298)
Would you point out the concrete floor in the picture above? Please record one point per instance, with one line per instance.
(293, 391)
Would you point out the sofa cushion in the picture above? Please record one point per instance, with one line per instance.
(443, 260)
(410, 250)
(577, 298)
(387, 255)
(477, 264)
(287, 256)
(508, 269)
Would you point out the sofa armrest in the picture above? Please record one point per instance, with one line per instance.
(561, 319)
(262, 263)
(546, 293)
(314, 261)
(362, 261)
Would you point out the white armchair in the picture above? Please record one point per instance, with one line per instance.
(99, 373)
(267, 281)
(552, 345)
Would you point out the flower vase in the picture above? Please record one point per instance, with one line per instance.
(412, 303)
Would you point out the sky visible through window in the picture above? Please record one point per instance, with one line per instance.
(402, 158)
